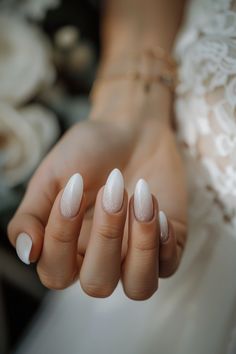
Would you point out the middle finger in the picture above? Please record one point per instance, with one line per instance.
(100, 271)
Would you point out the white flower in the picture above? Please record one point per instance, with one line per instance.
(23, 140)
(35, 9)
(24, 60)
(43, 122)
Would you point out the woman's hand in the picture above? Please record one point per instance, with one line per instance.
(105, 239)
(130, 129)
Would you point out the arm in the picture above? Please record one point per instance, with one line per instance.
(131, 23)
(128, 27)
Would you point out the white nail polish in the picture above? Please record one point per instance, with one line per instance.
(72, 196)
(113, 193)
(23, 247)
(143, 204)
(163, 226)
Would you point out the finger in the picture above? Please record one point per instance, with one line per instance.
(100, 271)
(140, 268)
(26, 229)
(172, 236)
(58, 265)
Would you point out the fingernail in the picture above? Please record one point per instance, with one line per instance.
(23, 247)
(163, 226)
(113, 193)
(143, 204)
(72, 196)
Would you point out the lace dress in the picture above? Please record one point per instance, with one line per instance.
(193, 312)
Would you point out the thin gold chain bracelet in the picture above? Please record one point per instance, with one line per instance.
(151, 65)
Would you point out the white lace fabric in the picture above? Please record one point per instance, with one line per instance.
(206, 104)
(206, 118)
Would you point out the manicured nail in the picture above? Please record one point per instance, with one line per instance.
(164, 226)
(113, 193)
(72, 196)
(143, 204)
(23, 247)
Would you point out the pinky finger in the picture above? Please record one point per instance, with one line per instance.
(172, 241)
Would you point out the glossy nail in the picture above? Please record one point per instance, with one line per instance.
(113, 193)
(23, 247)
(163, 226)
(143, 203)
(72, 196)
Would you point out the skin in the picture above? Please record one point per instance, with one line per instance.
(129, 129)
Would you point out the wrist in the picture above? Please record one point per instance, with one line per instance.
(135, 85)
(127, 101)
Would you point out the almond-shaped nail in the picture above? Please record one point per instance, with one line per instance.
(113, 193)
(72, 196)
(163, 226)
(143, 203)
(23, 247)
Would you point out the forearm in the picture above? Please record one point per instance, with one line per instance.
(128, 25)
(128, 28)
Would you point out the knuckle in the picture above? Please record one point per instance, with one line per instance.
(96, 290)
(60, 236)
(52, 282)
(108, 232)
(145, 245)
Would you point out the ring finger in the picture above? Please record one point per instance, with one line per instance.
(140, 269)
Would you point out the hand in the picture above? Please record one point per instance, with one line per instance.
(97, 246)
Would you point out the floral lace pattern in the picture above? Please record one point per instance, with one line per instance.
(206, 117)
(206, 106)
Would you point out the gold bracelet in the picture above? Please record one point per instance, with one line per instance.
(151, 65)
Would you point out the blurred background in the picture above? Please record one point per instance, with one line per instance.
(48, 55)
